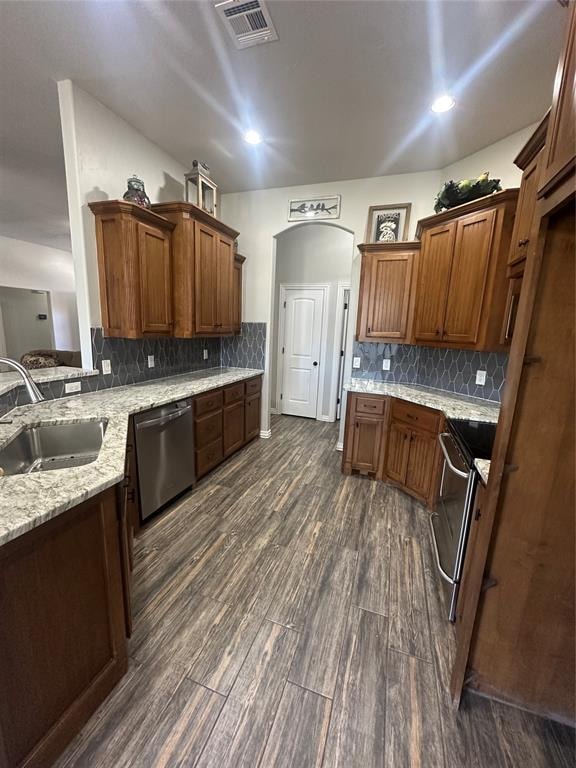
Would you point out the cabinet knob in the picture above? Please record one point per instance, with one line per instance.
(437, 331)
(369, 329)
(522, 243)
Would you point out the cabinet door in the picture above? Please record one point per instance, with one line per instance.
(420, 471)
(224, 308)
(434, 275)
(560, 147)
(397, 453)
(366, 443)
(233, 427)
(206, 279)
(155, 279)
(237, 297)
(524, 214)
(252, 417)
(389, 280)
(468, 277)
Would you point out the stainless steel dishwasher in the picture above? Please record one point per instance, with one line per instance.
(165, 454)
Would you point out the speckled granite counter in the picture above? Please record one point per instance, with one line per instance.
(483, 467)
(10, 379)
(454, 406)
(27, 501)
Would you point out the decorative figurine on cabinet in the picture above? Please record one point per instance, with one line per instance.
(136, 192)
(200, 189)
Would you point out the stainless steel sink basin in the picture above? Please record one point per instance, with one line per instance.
(52, 446)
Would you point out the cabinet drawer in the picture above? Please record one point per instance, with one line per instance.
(373, 405)
(209, 457)
(211, 401)
(233, 393)
(253, 386)
(207, 428)
(416, 415)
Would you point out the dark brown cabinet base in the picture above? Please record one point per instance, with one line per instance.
(62, 630)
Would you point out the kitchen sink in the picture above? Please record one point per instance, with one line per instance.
(45, 447)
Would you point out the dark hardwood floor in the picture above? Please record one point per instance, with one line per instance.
(288, 616)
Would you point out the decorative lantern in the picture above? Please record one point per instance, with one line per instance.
(200, 189)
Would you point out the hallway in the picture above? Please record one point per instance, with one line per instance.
(289, 616)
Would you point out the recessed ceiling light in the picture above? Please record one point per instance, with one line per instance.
(443, 103)
(252, 137)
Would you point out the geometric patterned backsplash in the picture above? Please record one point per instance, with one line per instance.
(453, 370)
(248, 350)
(129, 360)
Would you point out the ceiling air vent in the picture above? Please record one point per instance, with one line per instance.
(248, 23)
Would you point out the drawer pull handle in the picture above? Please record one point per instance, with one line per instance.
(411, 416)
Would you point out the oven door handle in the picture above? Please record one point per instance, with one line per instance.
(445, 452)
(443, 573)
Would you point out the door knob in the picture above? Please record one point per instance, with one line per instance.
(315, 363)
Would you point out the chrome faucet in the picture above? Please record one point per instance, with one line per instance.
(33, 392)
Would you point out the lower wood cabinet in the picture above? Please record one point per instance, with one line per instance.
(225, 419)
(62, 630)
(397, 442)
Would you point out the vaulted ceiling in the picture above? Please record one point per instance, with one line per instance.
(344, 93)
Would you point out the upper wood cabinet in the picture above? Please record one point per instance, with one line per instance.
(387, 274)
(204, 278)
(461, 288)
(560, 151)
(135, 269)
(237, 293)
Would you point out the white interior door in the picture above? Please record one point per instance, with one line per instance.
(302, 343)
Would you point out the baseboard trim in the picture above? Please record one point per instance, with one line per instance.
(339, 446)
(274, 411)
(265, 433)
(324, 418)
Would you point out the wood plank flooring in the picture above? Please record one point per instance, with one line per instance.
(287, 616)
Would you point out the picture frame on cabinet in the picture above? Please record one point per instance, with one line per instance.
(314, 208)
(388, 223)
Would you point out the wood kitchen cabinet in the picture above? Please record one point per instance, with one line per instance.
(461, 288)
(252, 408)
(62, 633)
(392, 439)
(207, 277)
(233, 417)
(386, 279)
(135, 270)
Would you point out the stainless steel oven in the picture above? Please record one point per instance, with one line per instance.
(450, 522)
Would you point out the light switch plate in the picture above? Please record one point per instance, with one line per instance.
(205, 353)
(480, 378)
(72, 386)
(106, 367)
(386, 364)
(355, 362)
(150, 361)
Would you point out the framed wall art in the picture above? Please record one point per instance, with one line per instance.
(314, 208)
(388, 223)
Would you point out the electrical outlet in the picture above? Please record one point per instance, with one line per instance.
(72, 386)
(480, 378)
(355, 362)
(106, 367)
(205, 354)
(150, 361)
(386, 364)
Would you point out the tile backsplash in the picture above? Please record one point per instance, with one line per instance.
(129, 360)
(453, 370)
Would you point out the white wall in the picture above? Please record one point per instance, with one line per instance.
(312, 253)
(101, 152)
(27, 265)
(497, 159)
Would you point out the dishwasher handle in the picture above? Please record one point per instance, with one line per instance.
(161, 420)
(454, 469)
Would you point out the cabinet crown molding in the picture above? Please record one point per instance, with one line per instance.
(408, 245)
(534, 144)
(197, 213)
(489, 201)
(104, 207)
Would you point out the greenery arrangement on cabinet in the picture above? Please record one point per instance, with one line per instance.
(455, 193)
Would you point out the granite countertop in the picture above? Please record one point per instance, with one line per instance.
(454, 406)
(483, 467)
(11, 379)
(27, 501)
